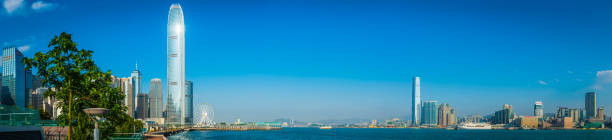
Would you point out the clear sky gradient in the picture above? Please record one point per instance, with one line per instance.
(259, 60)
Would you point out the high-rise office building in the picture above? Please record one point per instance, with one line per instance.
(155, 98)
(176, 64)
(538, 109)
(129, 95)
(188, 104)
(416, 101)
(600, 113)
(590, 105)
(38, 98)
(28, 87)
(443, 114)
(563, 112)
(14, 86)
(504, 116)
(452, 117)
(116, 82)
(143, 108)
(582, 114)
(429, 113)
(574, 114)
(136, 85)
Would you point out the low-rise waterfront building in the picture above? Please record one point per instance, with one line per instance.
(564, 122)
(528, 122)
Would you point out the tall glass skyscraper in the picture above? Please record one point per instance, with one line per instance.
(589, 105)
(13, 78)
(136, 86)
(155, 98)
(416, 101)
(429, 114)
(188, 106)
(176, 64)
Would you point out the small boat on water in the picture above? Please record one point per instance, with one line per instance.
(475, 126)
(325, 127)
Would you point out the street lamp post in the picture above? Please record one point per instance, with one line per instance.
(92, 112)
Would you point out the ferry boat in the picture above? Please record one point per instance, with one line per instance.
(475, 126)
(325, 127)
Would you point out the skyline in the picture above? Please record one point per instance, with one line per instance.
(312, 53)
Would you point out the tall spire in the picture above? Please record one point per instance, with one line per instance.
(136, 65)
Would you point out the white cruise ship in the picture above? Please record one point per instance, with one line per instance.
(475, 126)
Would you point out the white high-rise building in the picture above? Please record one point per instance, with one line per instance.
(416, 101)
(155, 98)
(176, 65)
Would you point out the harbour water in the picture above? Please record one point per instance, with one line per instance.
(395, 134)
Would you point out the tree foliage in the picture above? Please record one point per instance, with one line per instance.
(78, 84)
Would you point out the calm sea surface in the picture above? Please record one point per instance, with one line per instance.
(396, 134)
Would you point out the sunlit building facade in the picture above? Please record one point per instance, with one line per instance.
(416, 101)
(176, 65)
(155, 98)
(600, 113)
(126, 87)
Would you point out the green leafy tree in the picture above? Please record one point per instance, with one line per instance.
(78, 84)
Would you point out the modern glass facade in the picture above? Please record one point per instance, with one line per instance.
(176, 65)
(416, 101)
(188, 106)
(155, 98)
(429, 113)
(136, 86)
(13, 78)
(589, 105)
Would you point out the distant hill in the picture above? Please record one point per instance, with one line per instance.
(296, 122)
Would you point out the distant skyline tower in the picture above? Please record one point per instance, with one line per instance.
(155, 98)
(416, 101)
(538, 109)
(188, 104)
(590, 105)
(176, 64)
(136, 85)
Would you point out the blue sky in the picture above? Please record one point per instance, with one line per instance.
(260, 60)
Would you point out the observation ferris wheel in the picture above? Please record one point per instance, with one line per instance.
(205, 115)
